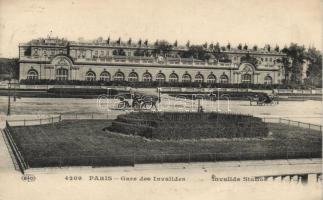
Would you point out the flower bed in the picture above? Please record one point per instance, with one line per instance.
(169, 125)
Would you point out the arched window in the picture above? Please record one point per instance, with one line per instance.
(268, 80)
(32, 74)
(186, 78)
(211, 78)
(133, 77)
(61, 74)
(173, 78)
(199, 78)
(119, 76)
(146, 77)
(90, 76)
(105, 76)
(160, 77)
(246, 78)
(224, 79)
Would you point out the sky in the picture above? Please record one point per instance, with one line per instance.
(254, 22)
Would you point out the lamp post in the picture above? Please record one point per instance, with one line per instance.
(9, 93)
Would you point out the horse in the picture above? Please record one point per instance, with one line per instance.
(262, 99)
(139, 102)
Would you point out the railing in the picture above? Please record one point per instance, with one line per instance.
(19, 158)
(91, 116)
(33, 122)
(59, 118)
(289, 122)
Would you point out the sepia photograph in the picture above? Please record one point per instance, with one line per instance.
(148, 99)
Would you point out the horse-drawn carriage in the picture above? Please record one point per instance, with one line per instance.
(138, 102)
(263, 99)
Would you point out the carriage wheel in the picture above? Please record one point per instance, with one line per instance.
(147, 105)
(122, 105)
(136, 106)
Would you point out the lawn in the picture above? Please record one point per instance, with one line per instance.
(83, 143)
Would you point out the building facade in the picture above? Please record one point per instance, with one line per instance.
(58, 59)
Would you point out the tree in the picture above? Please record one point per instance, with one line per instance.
(255, 48)
(188, 44)
(162, 47)
(277, 48)
(175, 43)
(228, 46)
(129, 41)
(211, 47)
(245, 47)
(205, 45)
(217, 48)
(9, 68)
(240, 46)
(195, 51)
(297, 55)
(287, 67)
(314, 71)
(119, 41)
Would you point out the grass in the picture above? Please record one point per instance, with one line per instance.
(84, 142)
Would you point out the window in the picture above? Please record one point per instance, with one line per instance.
(119, 76)
(160, 77)
(105, 76)
(146, 77)
(133, 77)
(32, 74)
(199, 78)
(173, 78)
(90, 76)
(246, 78)
(268, 80)
(61, 74)
(211, 79)
(96, 54)
(186, 78)
(266, 59)
(35, 52)
(224, 79)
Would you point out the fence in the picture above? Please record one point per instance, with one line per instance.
(294, 123)
(16, 153)
(74, 116)
(132, 160)
(110, 116)
(33, 122)
(55, 119)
